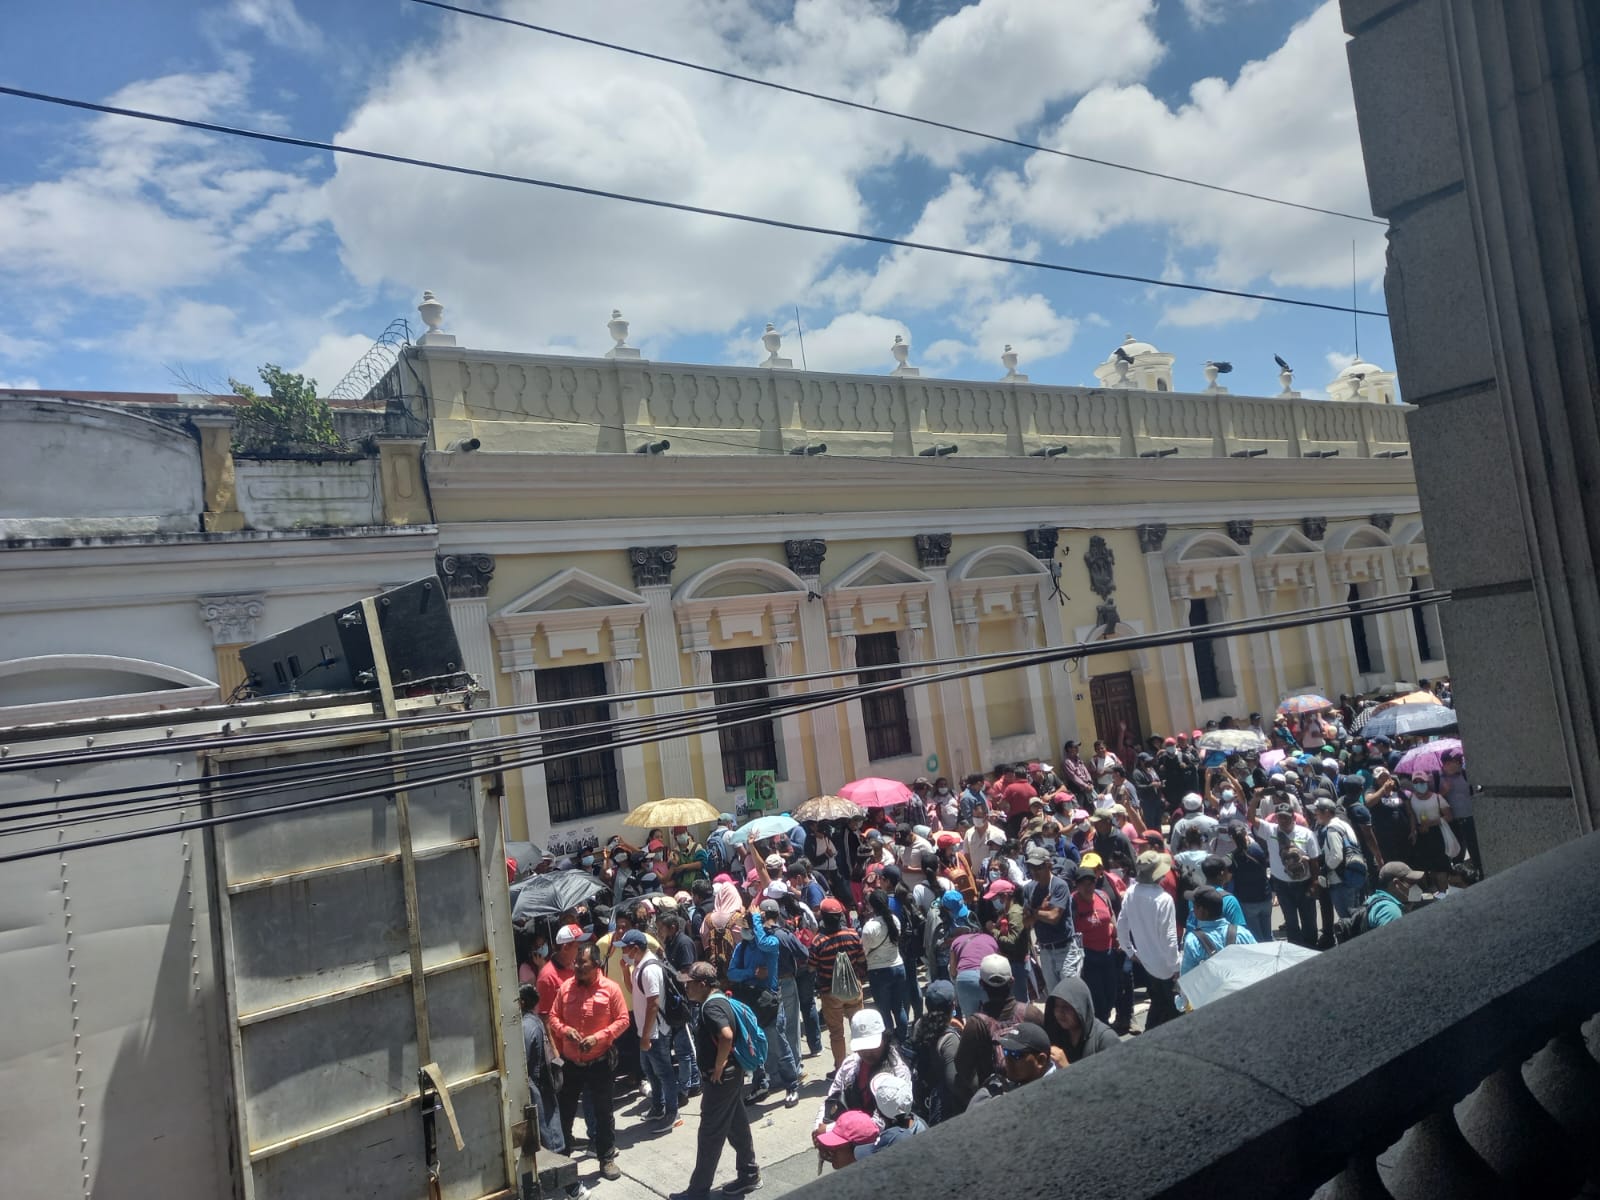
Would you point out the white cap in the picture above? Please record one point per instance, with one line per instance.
(777, 888)
(866, 1030)
(774, 862)
(1192, 803)
(893, 1096)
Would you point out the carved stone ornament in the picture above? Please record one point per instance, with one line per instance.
(1314, 527)
(1241, 531)
(1108, 618)
(1152, 537)
(1383, 521)
(232, 619)
(1042, 541)
(652, 565)
(805, 556)
(466, 576)
(933, 549)
(1100, 561)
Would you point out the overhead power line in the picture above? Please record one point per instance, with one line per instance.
(11, 763)
(282, 139)
(697, 720)
(899, 116)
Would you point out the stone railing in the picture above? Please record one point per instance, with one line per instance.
(1445, 1055)
(514, 402)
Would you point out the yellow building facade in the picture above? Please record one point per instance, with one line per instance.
(609, 526)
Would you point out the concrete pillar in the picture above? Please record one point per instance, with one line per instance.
(217, 480)
(652, 579)
(405, 500)
(233, 620)
(1482, 148)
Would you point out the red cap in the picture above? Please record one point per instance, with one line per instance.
(831, 905)
(1195, 736)
(1170, 742)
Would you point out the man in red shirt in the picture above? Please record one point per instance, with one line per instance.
(555, 972)
(1015, 795)
(1097, 926)
(588, 1016)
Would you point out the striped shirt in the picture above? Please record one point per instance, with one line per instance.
(825, 952)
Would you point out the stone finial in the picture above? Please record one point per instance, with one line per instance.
(1008, 360)
(902, 354)
(1212, 370)
(431, 310)
(466, 576)
(617, 327)
(1286, 382)
(1123, 366)
(772, 340)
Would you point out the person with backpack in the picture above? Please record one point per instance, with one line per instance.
(931, 1049)
(1292, 861)
(718, 1035)
(1344, 866)
(1210, 931)
(841, 965)
(753, 979)
(653, 995)
(880, 938)
(1398, 885)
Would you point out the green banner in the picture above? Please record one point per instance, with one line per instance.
(761, 791)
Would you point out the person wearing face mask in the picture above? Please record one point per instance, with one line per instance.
(689, 859)
(945, 803)
(1430, 814)
(1398, 885)
(1391, 817)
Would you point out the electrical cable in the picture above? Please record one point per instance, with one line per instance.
(17, 763)
(1377, 606)
(888, 112)
(670, 205)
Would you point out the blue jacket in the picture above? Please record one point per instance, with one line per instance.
(1217, 931)
(1382, 909)
(759, 951)
(1231, 911)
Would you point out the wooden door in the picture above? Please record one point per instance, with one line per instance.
(1116, 714)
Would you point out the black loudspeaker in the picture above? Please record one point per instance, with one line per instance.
(333, 652)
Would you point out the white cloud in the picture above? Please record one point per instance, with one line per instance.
(152, 207)
(1338, 361)
(1204, 309)
(856, 341)
(188, 329)
(519, 266)
(278, 21)
(1284, 127)
(333, 355)
(25, 384)
(1213, 12)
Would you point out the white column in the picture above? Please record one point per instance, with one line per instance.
(620, 683)
(1182, 697)
(695, 638)
(843, 631)
(1028, 640)
(819, 657)
(1057, 680)
(780, 666)
(1255, 644)
(661, 652)
(966, 622)
(1266, 583)
(914, 649)
(1332, 649)
(516, 659)
(957, 746)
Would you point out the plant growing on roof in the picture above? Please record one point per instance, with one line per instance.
(289, 416)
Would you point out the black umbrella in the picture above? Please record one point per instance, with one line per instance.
(1410, 720)
(526, 854)
(550, 895)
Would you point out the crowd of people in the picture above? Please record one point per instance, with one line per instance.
(968, 942)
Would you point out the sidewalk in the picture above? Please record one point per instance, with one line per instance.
(655, 1165)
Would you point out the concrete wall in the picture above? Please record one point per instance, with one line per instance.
(1478, 122)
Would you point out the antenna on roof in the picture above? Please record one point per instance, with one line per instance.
(801, 331)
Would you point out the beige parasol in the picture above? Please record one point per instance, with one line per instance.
(674, 810)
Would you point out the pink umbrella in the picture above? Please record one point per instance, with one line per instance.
(876, 793)
(1427, 757)
(1271, 758)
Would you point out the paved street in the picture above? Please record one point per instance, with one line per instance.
(654, 1165)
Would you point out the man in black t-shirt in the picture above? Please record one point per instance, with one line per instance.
(722, 1113)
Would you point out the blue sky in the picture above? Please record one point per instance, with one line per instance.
(133, 251)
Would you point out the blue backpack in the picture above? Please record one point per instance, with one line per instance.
(749, 1039)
